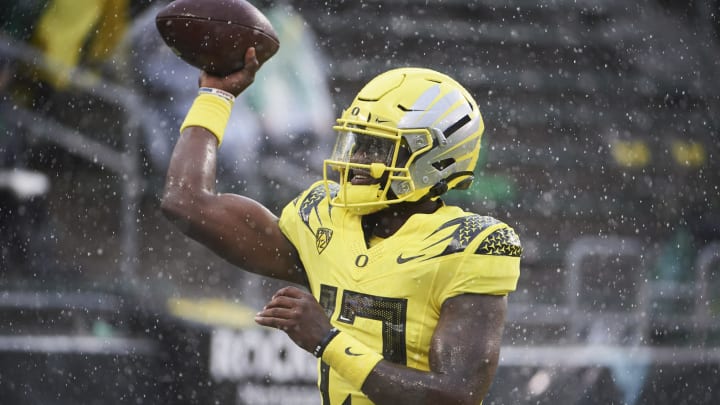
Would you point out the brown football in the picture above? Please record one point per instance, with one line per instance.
(213, 35)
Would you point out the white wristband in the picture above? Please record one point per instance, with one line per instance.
(217, 92)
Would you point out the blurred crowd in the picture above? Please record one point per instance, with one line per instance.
(58, 60)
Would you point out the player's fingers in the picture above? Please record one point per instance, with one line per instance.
(272, 322)
(282, 302)
(278, 312)
(276, 318)
(290, 291)
(251, 62)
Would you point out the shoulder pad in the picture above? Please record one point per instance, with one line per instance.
(465, 230)
(502, 242)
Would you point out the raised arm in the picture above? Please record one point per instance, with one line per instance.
(238, 229)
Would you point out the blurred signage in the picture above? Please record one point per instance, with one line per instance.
(266, 366)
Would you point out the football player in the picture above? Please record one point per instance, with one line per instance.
(404, 297)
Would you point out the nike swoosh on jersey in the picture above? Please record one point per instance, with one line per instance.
(349, 353)
(401, 259)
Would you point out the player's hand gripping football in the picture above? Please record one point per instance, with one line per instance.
(298, 314)
(235, 82)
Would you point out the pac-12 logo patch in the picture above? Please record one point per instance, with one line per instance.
(322, 238)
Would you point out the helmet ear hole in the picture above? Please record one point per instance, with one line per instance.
(443, 164)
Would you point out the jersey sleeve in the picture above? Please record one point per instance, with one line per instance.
(299, 219)
(489, 265)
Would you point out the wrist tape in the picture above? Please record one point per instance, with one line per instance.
(211, 111)
(218, 92)
(350, 358)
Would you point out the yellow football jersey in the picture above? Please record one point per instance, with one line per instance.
(389, 295)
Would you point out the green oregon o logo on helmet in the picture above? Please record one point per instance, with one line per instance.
(410, 134)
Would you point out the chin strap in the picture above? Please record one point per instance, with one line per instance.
(463, 184)
(438, 189)
(442, 186)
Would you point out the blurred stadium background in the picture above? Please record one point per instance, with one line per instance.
(601, 149)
